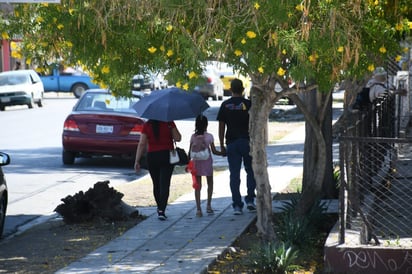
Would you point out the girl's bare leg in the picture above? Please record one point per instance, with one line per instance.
(197, 197)
(209, 194)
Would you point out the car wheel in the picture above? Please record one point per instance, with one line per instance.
(2, 108)
(3, 206)
(68, 157)
(40, 101)
(78, 90)
(30, 105)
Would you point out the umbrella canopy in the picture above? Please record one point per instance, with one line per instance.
(170, 104)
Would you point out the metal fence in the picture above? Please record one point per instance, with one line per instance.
(376, 173)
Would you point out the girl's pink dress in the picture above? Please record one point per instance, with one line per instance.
(204, 167)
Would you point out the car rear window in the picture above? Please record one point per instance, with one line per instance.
(106, 103)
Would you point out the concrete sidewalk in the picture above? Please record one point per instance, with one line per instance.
(184, 243)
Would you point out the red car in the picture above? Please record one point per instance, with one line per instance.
(101, 125)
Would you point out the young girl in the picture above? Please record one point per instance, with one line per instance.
(202, 166)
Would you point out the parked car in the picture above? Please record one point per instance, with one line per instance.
(227, 75)
(213, 86)
(20, 87)
(101, 124)
(4, 160)
(142, 83)
(73, 81)
(149, 82)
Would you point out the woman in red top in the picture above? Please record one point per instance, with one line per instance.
(157, 139)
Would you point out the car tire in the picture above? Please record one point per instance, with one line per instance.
(2, 108)
(68, 157)
(30, 105)
(78, 90)
(40, 101)
(3, 207)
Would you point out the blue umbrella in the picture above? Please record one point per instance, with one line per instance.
(170, 104)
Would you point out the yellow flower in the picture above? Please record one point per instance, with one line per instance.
(250, 34)
(60, 26)
(281, 72)
(192, 75)
(340, 49)
(185, 86)
(312, 58)
(238, 52)
(243, 41)
(13, 45)
(162, 48)
(284, 52)
(16, 54)
(405, 49)
(71, 11)
(107, 101)
(152, 49)
(39, 19)
(371, 67)
(69, 44)
(169, 28)
(28, 61)
(5, 36)
(299, 7)
(257, 6)
(45, 4)
(399, 26)
(382, 50)
(169, 53)
(105, 69)
(178, 84)
(261, 70)
(398, 58)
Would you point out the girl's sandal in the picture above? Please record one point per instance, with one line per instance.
(199, 213)
(210, 211)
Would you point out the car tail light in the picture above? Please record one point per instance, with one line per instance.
(136, 130)
(70, 125)
(209, 80)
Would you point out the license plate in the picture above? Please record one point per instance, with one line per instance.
(5, 100)
(104, 129)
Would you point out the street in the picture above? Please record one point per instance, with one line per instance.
(36, 177)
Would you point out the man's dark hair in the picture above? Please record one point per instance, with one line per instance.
(236, 86)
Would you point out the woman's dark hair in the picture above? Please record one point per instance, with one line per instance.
(155, 128)
(201, 124)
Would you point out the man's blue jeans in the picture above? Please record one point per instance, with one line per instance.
(238, 151)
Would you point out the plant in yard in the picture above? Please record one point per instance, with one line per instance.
(272, 257)
(299, 231)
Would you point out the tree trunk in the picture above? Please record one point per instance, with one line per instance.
(314, 161)
(262, 104)
(329, 188)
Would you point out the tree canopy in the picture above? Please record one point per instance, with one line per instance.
(324, 40)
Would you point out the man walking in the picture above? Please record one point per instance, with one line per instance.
(233, 117)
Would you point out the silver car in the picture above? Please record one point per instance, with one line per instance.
(213, 86)
(20, 87)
